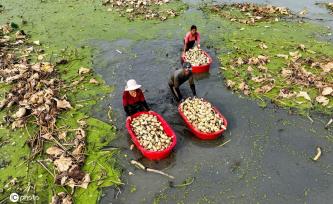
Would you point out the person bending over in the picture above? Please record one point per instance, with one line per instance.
(133, 99)
(191, 38)
(178, 78)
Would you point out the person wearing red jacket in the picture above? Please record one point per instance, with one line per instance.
(190, 39)
(133, 98)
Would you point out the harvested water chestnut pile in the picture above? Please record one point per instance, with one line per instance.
(196, 57)
(202, 115)
(150, 133)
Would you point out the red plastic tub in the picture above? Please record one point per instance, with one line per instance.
(198, 133)
(152, 155)
(201, 68)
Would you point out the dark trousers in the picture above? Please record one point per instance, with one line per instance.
(132, 109)
(190, 45)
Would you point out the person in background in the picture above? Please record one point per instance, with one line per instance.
(180, 76)
(133, 98)
(190, 39)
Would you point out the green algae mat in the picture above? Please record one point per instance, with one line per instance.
(61, 35)
(273, 57)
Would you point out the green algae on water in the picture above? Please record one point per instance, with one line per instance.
(280, 38)
(35, 177)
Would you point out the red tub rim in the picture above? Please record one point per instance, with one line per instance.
(165, 125)
(203, 65)
(208, 135)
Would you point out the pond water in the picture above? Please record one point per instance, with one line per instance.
(268, 158)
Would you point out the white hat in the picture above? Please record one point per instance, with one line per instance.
(132, 85)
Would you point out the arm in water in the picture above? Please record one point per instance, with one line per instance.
(176, 88)
(192, 85)
(179, 95)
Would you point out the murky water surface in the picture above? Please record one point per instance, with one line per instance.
(266, 161)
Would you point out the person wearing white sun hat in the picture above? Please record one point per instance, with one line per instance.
(133, 99)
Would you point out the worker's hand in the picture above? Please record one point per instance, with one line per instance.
(128, 117)
(198, 45)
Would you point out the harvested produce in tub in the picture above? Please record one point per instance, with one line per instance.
(196, 57)
(150, 133)
(202, 115)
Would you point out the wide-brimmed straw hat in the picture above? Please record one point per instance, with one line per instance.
(132, 85)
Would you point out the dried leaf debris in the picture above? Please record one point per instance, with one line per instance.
(35, 97)
(252, 13)
(147, 9)
(62, 198)
(300, 74)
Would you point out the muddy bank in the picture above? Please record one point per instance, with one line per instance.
(266, 161)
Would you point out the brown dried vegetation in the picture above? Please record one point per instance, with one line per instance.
(294, 73)
(251, 13)
(35, 98)
(148, 9)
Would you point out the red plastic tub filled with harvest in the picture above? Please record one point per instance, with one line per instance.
(201, 68)
(198, 133)
(152, 155)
